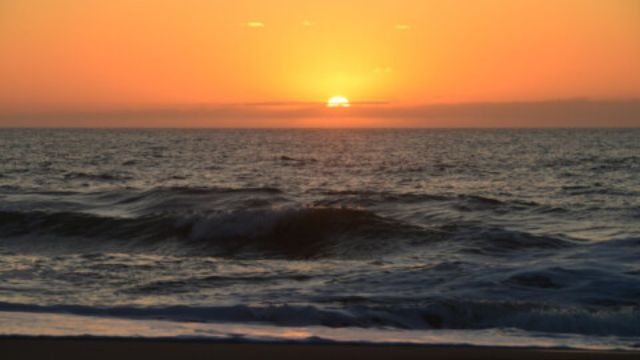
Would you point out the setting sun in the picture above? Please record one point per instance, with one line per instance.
(338, 101)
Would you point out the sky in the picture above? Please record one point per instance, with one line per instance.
(246, 63)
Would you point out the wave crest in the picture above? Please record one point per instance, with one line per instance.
(288, 232)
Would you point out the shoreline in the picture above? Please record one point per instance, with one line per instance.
(122, 349)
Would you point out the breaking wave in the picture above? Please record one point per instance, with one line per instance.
(289, 232)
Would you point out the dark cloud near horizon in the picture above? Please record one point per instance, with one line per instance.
(554, 113)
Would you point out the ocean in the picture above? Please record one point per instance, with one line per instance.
(475, 237)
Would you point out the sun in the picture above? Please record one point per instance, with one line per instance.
(338, 102)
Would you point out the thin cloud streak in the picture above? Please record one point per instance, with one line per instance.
(255, 24)
(554, 113)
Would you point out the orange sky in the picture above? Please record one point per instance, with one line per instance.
(108, 55)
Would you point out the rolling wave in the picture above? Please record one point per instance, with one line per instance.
(288, 232)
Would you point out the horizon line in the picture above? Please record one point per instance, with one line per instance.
(556, 113)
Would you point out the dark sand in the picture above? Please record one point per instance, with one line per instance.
(29, 348)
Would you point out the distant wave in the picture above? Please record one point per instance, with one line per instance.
(478, 239)
(163, 199)
(110, 176)
(461, 202)
(166, 190)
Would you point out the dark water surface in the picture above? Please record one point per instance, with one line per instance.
(384, 234)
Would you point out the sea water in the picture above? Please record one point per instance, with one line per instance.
(479, 237)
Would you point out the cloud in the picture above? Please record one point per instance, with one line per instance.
(402, 27)
(553, 113)
(307, 23)
(255, 24)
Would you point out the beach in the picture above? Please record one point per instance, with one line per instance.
(109, 349)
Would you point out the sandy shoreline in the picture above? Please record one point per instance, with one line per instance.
(44, 348)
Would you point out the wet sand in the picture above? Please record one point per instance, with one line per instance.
(47, 348)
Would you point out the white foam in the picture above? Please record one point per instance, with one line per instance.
(64, 325)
